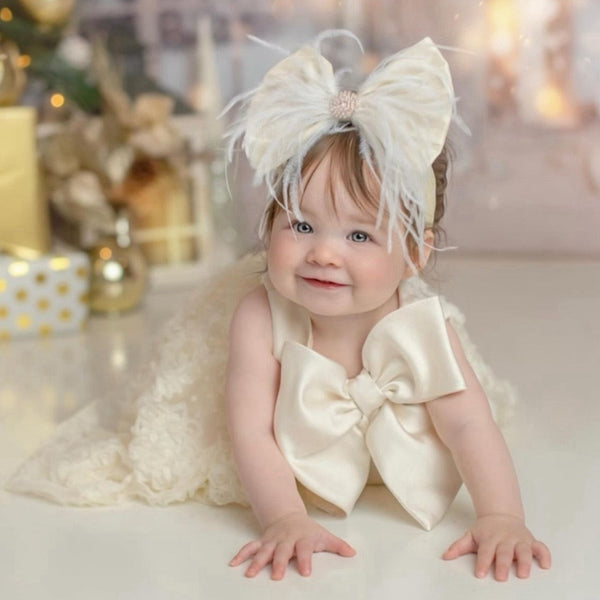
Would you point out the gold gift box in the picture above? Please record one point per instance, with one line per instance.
(43, 296)
(24, 223)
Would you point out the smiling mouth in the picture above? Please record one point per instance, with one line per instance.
(320, 283)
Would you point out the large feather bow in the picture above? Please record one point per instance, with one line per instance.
(402, 112)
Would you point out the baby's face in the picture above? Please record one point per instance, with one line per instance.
(334, 262)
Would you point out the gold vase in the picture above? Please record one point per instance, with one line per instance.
(12, 78)
(49, 12)
(119, 273)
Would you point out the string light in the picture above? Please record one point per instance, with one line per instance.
(551, 102)
(5, 14)
(105, 253)
(24, 61)
(57, 100)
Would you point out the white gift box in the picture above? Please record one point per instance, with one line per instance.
(45, 295)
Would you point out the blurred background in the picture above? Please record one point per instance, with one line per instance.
(527, 73)
(111, 150)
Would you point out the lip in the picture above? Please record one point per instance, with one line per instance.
(323, 283)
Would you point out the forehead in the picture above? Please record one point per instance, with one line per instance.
(328, 185)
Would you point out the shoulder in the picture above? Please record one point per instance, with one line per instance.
(471, 381)
(252, 319)
(454, 340)
(252, 370)
(450, 413)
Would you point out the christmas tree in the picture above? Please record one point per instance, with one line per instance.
(40, 37)
(37, 28)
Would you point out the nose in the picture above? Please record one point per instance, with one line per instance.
(322, 252)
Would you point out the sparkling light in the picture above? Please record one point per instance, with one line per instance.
(118, 359)
(5, 14)
(112, 271)
(57, 100)
(503, 27)
(105, 253)
(24, 61)
(551, 102)
(501, 15)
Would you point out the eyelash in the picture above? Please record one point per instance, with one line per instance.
(298, 224)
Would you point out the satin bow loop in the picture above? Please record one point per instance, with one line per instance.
(267, 117)
(329, 427)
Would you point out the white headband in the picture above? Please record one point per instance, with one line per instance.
(402, 112)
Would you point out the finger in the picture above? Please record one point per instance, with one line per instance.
(304, 552)
(523, 554)
(505, 554)
(485, 557)
(339, 546)
(281, 558)
(464, 545)
(261, 558)
(542, 554)
(245, 553)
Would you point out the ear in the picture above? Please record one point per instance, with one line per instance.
(428, 239)
(266, 240)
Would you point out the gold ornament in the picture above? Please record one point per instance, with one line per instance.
(12, 78)
(49, 12)
(119, 272)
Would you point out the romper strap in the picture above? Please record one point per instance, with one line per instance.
(290, 322)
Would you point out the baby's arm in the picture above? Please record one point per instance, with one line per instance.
(251, 392)
(465, 424)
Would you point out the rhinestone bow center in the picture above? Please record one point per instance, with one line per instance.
(343, 105)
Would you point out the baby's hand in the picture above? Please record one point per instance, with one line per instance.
(293, 535)
(503, 538)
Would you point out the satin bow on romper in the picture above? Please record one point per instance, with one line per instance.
(334, 430)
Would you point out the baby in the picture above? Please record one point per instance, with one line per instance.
(342, 367)
(334, 378)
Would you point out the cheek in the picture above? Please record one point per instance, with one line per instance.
(384, 272)
(280, 253)
(379, 264)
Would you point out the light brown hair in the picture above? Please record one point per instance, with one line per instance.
(348, 167)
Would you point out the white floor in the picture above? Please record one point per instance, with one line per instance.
(535, 321)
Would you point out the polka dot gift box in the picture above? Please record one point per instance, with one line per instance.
(43, 296)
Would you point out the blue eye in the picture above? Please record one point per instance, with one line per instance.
(360, 236)
(302, 227)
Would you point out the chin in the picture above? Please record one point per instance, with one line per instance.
(325, 308)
